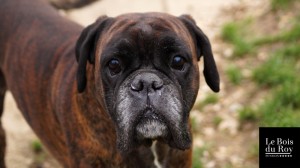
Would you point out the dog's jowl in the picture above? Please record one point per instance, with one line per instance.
(115, 94)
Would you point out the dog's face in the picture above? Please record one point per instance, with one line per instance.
(146, 74)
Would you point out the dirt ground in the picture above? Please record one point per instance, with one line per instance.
(209, 15)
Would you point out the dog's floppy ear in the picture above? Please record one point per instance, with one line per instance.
(86, 47)
(203, 49)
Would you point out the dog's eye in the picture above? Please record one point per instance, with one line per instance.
(178, 62)
(114, 66)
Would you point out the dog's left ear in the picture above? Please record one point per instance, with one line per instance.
(85, 48)
(203, 49)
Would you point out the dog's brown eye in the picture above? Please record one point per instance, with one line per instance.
(178, 62)
(114, 66)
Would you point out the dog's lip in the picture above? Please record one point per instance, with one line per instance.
(150, 114)
(148, 117)
(170, 137)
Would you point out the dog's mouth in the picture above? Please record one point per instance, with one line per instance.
(151, 126)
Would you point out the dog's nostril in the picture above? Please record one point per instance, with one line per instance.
(156, 85)
(137, 86)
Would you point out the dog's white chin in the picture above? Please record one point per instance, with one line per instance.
(151, 129)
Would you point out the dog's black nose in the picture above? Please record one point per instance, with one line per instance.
(146, 81)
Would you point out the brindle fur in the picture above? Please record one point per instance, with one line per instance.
(38, 65)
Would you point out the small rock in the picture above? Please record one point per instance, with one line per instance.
(221, 153)
(229, 124)
(235, 160)
(209, 131)
(228, 52)
(211, 164)
(235, 107)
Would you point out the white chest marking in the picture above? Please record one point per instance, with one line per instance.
(153, 150)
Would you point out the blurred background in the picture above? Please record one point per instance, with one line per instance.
(256, 44)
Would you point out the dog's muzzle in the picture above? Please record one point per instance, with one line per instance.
(150, 107)
(151, 125)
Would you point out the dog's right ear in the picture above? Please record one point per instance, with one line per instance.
(86, 48)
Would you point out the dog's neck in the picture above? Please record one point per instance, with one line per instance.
(95, 131)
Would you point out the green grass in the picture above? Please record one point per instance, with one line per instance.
(242, 48)
(228, 165)
(234, 74)
(232, 33)
(37, 146)
(197, 155)
(279, 73)
(217, 120)
(248, 114)
(281, 67)
(195, 126)
(290, 51)
(281, 4)
(245, 42)
(209, 99)
(254, 151)
(288, 95)
(291, 35)
(282, 108)
(39, 154)
(275, 71)
(275, 115)
(288, 36)
(284, 98)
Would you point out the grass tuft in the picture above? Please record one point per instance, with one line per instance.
(37, 146)
(248, 114)
(274, 72)
(289, 36)
(234, 74)
(194, 124)
(230, 32)
(234, 34)
(254, 151)
(274, 115)
(217, 120)
(281, 4)
(197, 155)
(282, 108)
(210, 99)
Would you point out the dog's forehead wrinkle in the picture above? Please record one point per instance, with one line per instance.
(168, 41)
(144, 28)
(146, 36)
(123, 49)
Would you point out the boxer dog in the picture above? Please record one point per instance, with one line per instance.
(115, 94)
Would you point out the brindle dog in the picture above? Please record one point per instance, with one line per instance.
(115, 94)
